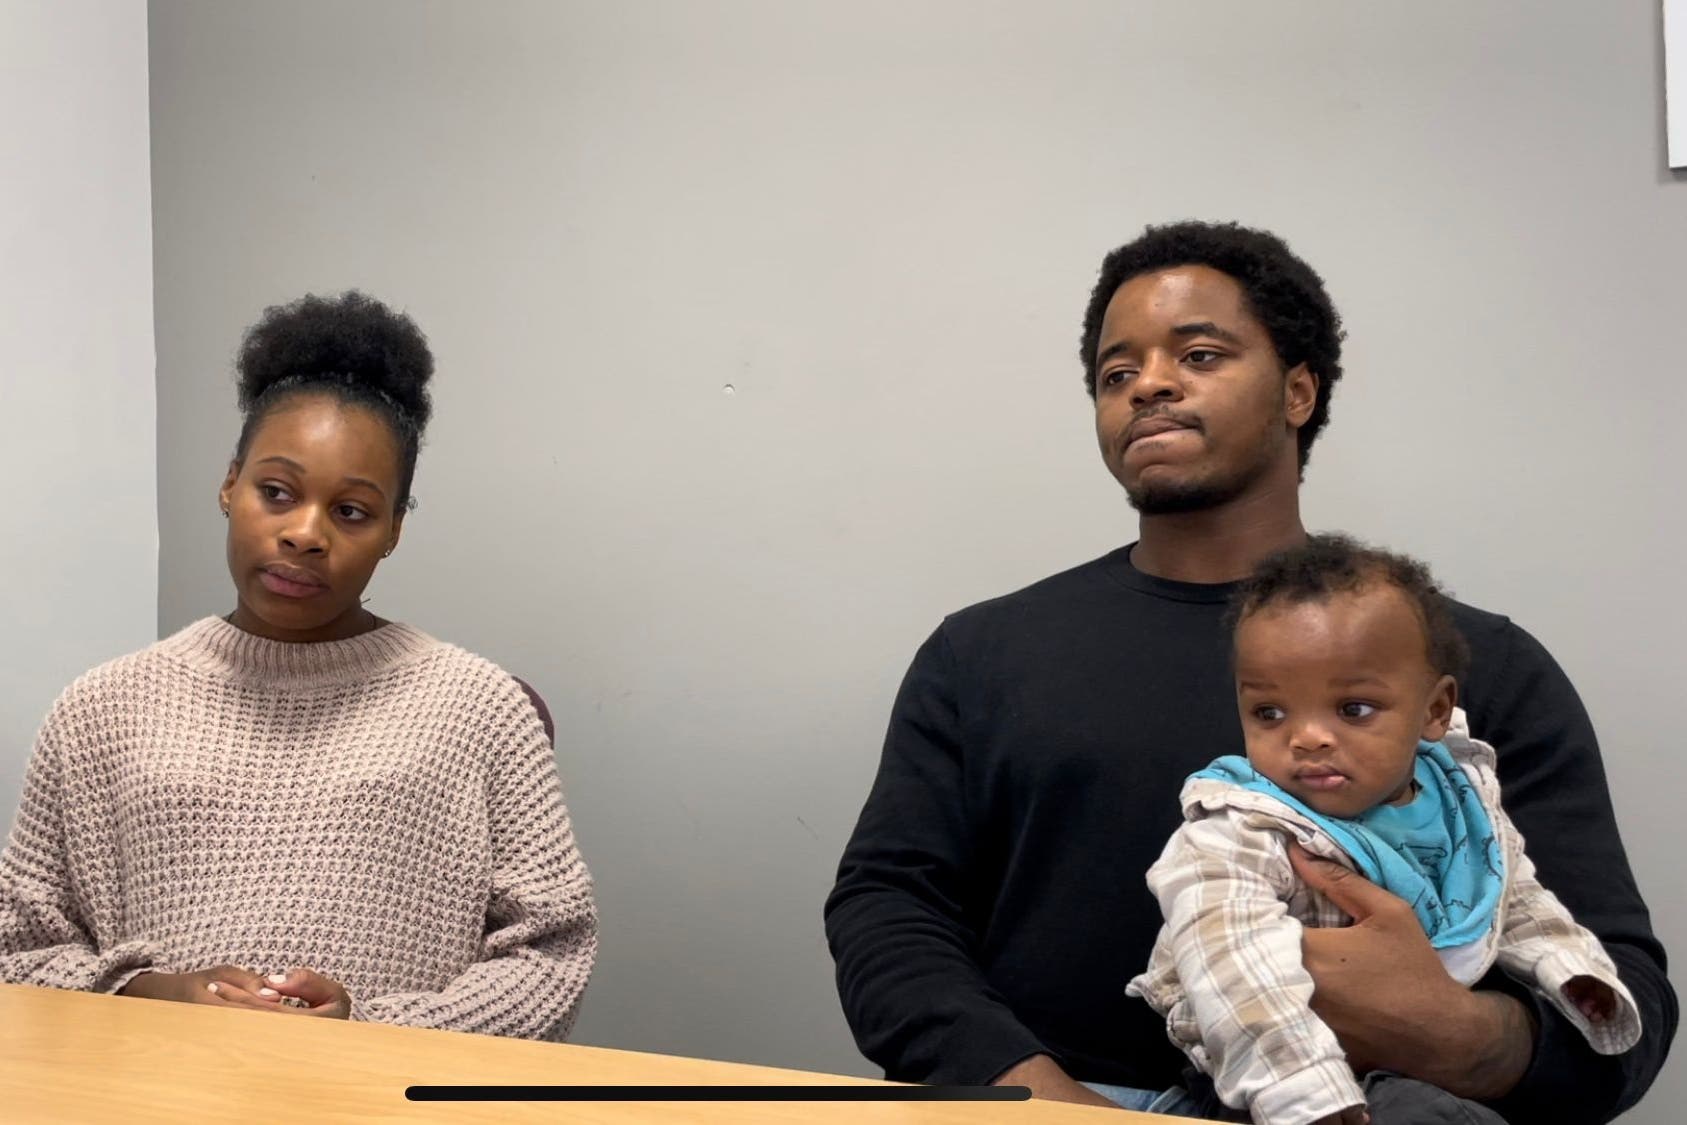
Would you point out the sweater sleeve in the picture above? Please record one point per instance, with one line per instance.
(1222, 888)
(46, 934)
(1554, 790)
(897, 918)
(541, 918)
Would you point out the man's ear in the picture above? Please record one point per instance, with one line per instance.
(1300, 394)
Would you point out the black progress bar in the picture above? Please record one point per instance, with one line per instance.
(718, 1093)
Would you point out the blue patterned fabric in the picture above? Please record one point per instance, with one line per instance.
(1438, 851)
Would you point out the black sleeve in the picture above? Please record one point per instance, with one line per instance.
(1553, 785)
(911, 988)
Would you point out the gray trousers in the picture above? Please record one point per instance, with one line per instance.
(1397, 1100)
(1392, 1099)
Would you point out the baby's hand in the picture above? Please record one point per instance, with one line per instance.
(1592, 997)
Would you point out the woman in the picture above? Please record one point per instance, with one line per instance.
(300, 808)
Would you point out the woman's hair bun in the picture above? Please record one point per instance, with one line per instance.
(350, 339)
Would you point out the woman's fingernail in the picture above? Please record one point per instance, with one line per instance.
(268, 992)
(212, 986)
(278, 978)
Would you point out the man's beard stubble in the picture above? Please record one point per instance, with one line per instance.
(1180, 497)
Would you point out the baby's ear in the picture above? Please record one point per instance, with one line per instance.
(1439, 716)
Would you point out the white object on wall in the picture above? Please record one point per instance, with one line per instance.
(1675, 80)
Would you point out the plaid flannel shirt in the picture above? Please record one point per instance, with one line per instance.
(1226, 971)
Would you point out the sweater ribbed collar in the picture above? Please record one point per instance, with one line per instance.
(1119, 565)
(214, 646)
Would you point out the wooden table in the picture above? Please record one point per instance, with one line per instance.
(73, 1056)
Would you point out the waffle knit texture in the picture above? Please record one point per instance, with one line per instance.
(384, 810)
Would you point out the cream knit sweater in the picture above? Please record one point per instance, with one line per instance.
(384, 810)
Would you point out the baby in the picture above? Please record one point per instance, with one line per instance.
(1347, 664)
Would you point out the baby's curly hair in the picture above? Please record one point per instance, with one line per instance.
(1281, 290)
(350, 346)
(1331, 564)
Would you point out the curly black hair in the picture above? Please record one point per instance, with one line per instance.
(350, 346)
(1281, 290)
(1330, 564)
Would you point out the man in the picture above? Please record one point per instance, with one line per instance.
(991, 904)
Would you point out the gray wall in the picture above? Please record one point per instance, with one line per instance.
(78, 471)
(877, 224)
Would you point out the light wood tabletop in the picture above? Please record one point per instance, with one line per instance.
(73, 1056)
